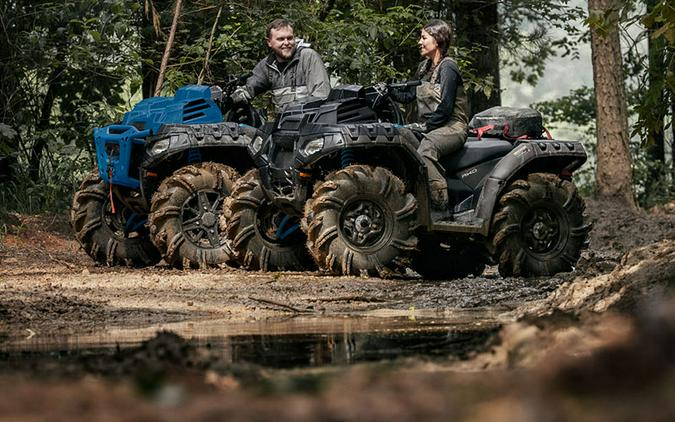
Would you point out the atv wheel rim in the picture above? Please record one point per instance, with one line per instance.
(541, 230)
(363, 223)
(200, 216)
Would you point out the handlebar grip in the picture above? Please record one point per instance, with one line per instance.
(405, 84)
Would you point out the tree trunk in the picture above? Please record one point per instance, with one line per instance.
(150, 32)
(167, 50)
(656, 109)
(672, 145)
(43, 124)
(477, 27)
(613, 172)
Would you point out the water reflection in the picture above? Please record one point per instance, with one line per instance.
(293, 343)
(298, 350)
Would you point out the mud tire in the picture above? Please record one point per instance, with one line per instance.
(186, 234)
(435, 261)
(101, 233)
(539, 227)
(251, 231)
(360, 220)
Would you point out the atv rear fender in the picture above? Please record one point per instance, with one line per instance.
(556, 157)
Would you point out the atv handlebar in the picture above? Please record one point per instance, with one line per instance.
(231, 83)
(406, 84)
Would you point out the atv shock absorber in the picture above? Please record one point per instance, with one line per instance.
(347, 157)
(194, 156)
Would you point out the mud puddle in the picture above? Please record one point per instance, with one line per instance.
(298, 342)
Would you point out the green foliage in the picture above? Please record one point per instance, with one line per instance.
(574, 115)
(577, 108)
(662, 17)
(365, 45)
(526, 35)
(62, 69)
(66, 67)
(650, 77)
(358, 43)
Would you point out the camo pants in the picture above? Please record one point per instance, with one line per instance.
(438, 143)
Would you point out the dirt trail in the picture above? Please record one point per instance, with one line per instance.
(49, 284)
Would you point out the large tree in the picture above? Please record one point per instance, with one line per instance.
(613, 172)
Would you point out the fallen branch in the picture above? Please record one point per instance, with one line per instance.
(62, 262)
(350, 299)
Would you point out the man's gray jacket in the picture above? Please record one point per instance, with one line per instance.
(303, 76)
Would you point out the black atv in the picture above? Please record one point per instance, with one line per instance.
(354, 184)
(265, 210)
(162, 175)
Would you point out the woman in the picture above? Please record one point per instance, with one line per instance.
(442, 106)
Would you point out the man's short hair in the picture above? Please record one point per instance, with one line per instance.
(278, 24)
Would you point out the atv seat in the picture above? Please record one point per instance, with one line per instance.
(475, 151)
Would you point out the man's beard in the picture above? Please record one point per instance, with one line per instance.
(285, 54)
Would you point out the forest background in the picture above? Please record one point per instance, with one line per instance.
(67, 67)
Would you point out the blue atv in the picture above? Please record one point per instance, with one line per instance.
(162, 176)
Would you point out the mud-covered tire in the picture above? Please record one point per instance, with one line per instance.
(435, 260)
(119, 238)
(186, 215)
(361, 220)
(539, 227)
(253, 227)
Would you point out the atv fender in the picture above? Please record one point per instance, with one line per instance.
(374, 144)
(178, 145)
(557, 157)
(370, 138)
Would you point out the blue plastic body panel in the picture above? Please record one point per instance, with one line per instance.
(192, 104)
(117, 145)
(114, 148)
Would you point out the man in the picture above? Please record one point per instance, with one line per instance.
(290, 71)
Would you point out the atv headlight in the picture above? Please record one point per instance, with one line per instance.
(312, 147)
(255, 145)
(160, 146)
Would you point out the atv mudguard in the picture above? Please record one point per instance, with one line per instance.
(364, 135)
(556, 157)
(177, 145)
(287, 186)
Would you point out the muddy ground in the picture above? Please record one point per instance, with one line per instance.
(596, 343)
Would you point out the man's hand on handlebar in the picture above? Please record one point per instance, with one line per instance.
(240, 95)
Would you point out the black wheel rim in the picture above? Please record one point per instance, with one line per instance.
(124, 223)
(201, 214)
(542, 230)
(277, 227)
(363, 223)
